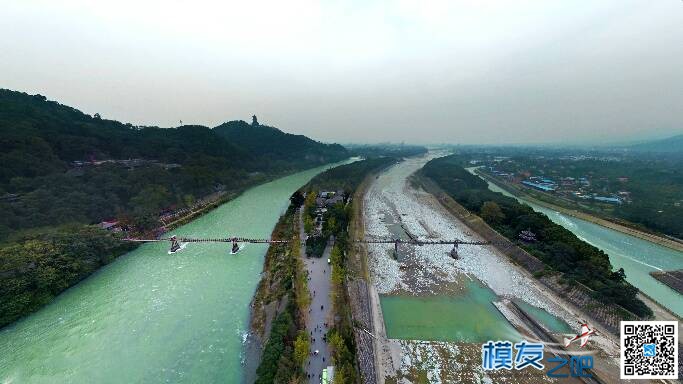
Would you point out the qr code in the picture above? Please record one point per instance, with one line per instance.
(649, 350)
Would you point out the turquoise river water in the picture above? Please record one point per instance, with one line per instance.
(151, 317)
(638, 257)
(468, 317)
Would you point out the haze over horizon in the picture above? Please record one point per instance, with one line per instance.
(463, 71)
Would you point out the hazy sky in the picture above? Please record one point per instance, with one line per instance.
(475, 71)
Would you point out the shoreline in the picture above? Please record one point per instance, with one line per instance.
(229, 196)
(262, 313)
(359, 265)
(652, 238)
(450, 361)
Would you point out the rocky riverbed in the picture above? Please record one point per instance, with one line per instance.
(393, 207)
(429, 270)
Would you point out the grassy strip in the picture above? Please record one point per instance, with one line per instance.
(282, 294)
(284, 284)
(337, 221)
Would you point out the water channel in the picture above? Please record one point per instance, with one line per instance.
(638, 257)
(151, 317)
(465, 314)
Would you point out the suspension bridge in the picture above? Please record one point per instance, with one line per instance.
(414, 241)
(175, 242)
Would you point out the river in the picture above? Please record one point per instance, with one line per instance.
(424, 293)
(437, 311)
(151, 317)
(638, 257)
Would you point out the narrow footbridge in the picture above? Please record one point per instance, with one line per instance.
(176, 241)
(418, 242)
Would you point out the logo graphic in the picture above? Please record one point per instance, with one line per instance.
(583, 336)
(498, 355)
(649, 350)
(577, 366)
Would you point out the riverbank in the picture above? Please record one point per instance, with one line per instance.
(673, 279)
(524, 262)
(278, 309)
(157, 317)
(425, 280)
(320, 314)
(369, 329)
(653, 238)
(604, 347)
(291, 281)
(228, 196)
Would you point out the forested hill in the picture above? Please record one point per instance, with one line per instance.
(61, 171)
(278, 146)
(60, 165)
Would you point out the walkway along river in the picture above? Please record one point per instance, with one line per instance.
(638, 257)
(151, 317)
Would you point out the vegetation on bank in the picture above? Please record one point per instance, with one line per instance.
(650, 186)
(283, 286)
(369, 151)
(349, 176)
(60, 165)
(284, 283)
(36, 269)
(63, 171)
(343, 179)
(558, 248)
(336, 223)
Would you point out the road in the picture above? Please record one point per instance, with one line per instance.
(319, 286)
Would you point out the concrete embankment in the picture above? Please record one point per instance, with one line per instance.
(673, 279)
(525, 323)
(358, 288)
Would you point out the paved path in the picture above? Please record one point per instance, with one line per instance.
(319, 286)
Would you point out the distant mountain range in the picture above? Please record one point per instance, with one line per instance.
(64, 134)
(62, 171)
(59, 165)
(669, 145)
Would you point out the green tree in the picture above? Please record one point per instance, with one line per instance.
(302, 346)
(152, 198)
(491, 212)
(308, 223)
(338, 346)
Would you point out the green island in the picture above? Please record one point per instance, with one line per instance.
(282, 298)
